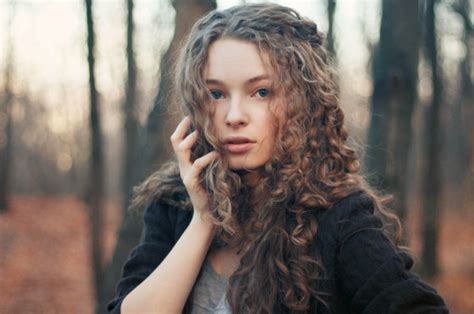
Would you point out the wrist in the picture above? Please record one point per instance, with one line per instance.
(203, 222)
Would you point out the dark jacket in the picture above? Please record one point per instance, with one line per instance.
(364, 272)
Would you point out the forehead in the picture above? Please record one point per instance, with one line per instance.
(234, 59)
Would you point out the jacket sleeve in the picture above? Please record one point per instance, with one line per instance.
(156, 243)
(372, 274)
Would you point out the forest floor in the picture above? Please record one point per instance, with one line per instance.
(44, 256)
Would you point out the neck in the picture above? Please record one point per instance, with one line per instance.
(249, 178)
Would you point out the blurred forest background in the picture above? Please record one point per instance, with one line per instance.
(85, 115)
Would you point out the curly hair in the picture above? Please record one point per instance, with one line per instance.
(311, 167)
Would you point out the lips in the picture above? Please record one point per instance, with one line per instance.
(238, 144)
(237, 140)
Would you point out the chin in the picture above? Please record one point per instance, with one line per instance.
(240, 167)
(245, 164)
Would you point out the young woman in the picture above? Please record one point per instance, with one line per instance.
(263, 210)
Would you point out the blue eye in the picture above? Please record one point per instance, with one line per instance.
(262, 92)
(216, 94)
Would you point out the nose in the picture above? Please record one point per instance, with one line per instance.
(236, 115)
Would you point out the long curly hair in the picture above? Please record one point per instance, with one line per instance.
(311, 167)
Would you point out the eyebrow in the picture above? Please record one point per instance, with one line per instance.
(248, 82)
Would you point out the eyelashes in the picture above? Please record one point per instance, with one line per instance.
(262, 92)
(216, 94)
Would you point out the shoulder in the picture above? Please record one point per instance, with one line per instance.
(169, 214)
(168, 208)
(372, 274)
(349, 214)
(354, 202)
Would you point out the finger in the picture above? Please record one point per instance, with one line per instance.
(180, 131)
(183, 151)
(189, 141)
(201, 163)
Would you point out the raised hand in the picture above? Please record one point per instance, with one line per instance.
(190, 171)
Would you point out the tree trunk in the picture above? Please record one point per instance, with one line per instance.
(160, 123)
(395, 94)
(467, 102)
(151, 149)
(96, 174)
(6, 120)
(130, 230)
(432, 167)
(130, 113)
(5, 141)
(331, 44)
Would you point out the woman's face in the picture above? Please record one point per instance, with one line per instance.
(240, 98)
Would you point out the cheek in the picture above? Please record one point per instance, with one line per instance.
(272, 132)
(217, 116)
(277, 111)
(277, 123)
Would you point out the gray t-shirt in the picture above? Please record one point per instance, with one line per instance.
(209, 292)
